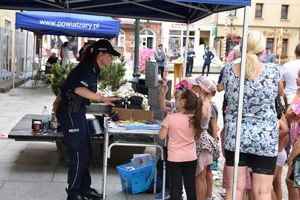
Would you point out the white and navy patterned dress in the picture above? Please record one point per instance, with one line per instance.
(259, 130)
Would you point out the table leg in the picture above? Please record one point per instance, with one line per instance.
(164, 180)
(104, 176)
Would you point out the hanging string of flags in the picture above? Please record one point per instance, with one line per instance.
(225, 36)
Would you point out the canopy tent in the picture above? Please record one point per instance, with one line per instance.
(187, 11)
(68, 24)
(184, 11)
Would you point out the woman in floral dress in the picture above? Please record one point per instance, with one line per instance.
(259, 128)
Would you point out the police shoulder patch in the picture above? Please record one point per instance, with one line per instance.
(84, 83)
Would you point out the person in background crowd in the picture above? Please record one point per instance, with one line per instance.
(207, 147)
(70, 108)
(208, 56)
(182, 127)
(234, 59)
(259, 126)
(52, 59)
(213, 131)
(289, 75)
(292, 115)
(294, 156)
(82, 50)
(168, 56)
(269, 57)
(190, 61)
(160, 58)
(234, 54)
(281, 157)
(168, 107)
(65, 54)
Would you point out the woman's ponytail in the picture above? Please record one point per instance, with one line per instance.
(255, 45)
(251, 64)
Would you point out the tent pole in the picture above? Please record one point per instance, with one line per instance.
(136, 49)
(26, 55)
(186, 49)
(241, 97)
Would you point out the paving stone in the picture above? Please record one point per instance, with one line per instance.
(6, 171)
(32, 173)
(9, 156)
(4, 143)
(16, 190)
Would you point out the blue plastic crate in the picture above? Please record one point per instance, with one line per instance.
(136, 180)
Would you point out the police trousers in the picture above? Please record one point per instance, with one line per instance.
(77, 139)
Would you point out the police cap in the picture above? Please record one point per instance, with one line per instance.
(104, 45)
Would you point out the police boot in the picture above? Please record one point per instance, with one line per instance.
(92, 195)
(74, 196)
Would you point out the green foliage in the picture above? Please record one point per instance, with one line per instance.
(112, 77)
(58, 75)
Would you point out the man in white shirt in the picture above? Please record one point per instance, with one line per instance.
(290, 74)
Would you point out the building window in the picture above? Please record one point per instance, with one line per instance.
(270, 44)
(258, 10)
(177, 39)
(232, 13)
(284, 48)
(7, 25)
(147, 38)
(284, 11)
(191, 39)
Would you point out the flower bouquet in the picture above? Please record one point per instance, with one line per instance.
(128, 95)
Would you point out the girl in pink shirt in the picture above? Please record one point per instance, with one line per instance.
(182, 128)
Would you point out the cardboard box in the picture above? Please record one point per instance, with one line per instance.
(134, 114)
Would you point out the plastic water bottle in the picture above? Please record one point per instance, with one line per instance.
(126, 103)
(45, 120)
(53, 123)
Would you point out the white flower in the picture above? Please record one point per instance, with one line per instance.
(126, 91)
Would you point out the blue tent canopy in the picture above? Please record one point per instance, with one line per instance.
(184, 11)
(69, 24)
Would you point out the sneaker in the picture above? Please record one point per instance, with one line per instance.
(159, 195)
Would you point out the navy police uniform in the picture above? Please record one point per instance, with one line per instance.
(75, 128)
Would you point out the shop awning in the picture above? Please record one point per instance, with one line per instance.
(69, 24)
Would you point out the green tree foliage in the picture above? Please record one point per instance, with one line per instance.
(58, 75)
(112, 76)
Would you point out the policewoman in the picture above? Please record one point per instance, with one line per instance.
(70, 107)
